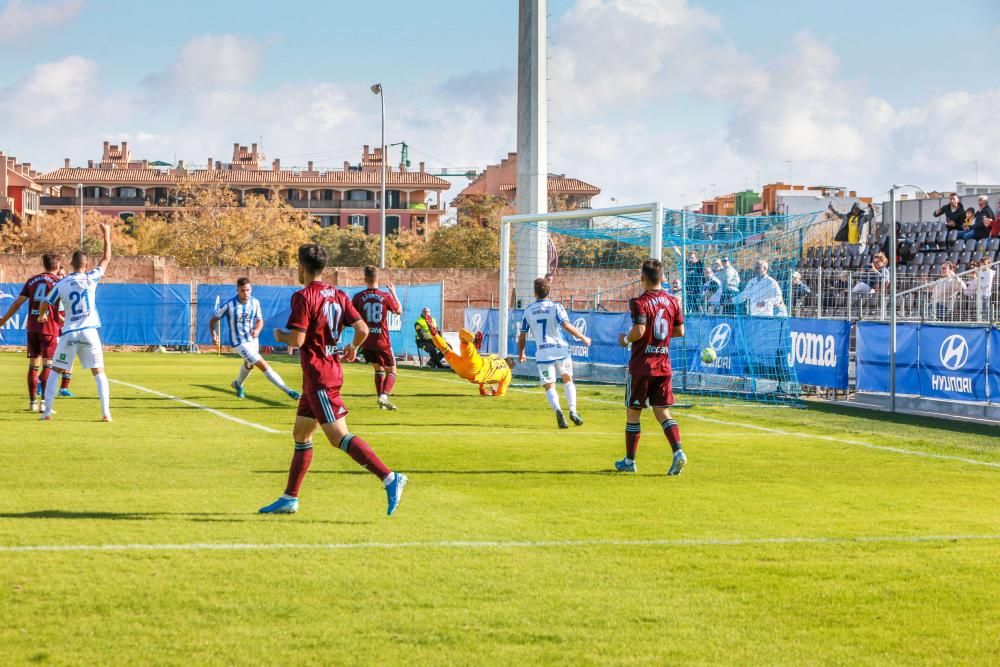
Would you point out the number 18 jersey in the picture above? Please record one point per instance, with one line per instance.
(660, 312)
(78, 293)
(374, 307)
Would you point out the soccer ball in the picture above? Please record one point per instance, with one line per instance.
(708, 355)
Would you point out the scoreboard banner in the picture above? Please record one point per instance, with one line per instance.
(275, 304)
(131, 314)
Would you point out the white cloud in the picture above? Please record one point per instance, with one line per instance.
(20, 18)
(619, 71)
(208, 63)
(51, 91)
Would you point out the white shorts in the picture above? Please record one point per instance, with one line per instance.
(550, 371)
(250, 351)
(85, 344)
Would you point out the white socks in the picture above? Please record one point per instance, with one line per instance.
(389, 479)
(51, 387)
(103, 393)
(553, 397)
(244, 374)
(276, 380)
(570, 389)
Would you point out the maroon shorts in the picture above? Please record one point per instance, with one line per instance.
(323, 405)
(648, 391)
(41, 345)
(380, 357)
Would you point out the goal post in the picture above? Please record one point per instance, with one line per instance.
(646, 221)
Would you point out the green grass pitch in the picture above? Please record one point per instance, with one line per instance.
(787, 540)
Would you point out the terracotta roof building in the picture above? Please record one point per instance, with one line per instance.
(345, 197)
(500, 180)
(20, 191)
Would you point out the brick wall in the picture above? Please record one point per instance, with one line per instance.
(462, 287)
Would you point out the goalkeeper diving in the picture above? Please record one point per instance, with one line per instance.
(490, 372)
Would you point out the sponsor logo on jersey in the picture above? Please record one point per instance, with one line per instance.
(813, 349)
(954, 354)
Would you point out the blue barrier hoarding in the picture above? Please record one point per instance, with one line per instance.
(994, 364)
(820, 352)
(275, 303)
(952, 362)
(873, 358)
(818, 349)
(140, 314)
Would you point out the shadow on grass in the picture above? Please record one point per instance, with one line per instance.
(197, 517)
(922, 421)
(457, 473)
(249, 397)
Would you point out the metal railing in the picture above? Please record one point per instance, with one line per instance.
(972, 296)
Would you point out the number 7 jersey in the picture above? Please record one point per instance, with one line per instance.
(659, 312)
(78, 294)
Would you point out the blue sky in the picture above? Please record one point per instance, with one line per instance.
(650, 98)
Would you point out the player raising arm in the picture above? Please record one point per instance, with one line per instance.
(319, 314)
(545, 320)
(77, 293)
(246, 320)
(374, 305)
(656, 318)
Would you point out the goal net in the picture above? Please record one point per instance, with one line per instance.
(593, 258)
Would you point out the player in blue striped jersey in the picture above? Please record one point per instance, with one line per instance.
(245, 320)
(545, 320)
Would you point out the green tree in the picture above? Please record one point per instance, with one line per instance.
(462, 247)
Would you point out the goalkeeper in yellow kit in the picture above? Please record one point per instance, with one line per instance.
(491, 373)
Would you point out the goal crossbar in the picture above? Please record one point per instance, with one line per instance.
(654, 209)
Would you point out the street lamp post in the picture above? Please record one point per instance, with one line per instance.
(377, 90)
(892, 291)
(79, 187)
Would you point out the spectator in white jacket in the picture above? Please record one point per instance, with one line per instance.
(762, 293)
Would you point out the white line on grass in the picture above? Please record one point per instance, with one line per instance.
(500, 544)
(217, 413)
(794, 434)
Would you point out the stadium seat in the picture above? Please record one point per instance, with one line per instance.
(918, 259)
(952, 236)
(965, 257)
(958, 246)
(993, 244)
(941, 239)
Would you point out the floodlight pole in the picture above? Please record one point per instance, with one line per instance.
(377, 89)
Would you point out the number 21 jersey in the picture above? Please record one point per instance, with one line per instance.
(78, 293)
(660, 312)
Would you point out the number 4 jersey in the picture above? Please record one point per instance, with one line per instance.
(36, 290)
(78, 293)
(660, 312)
(321, 311)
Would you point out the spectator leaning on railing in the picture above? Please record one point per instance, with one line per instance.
(954, 213)
(979, 287)
(874, 277)
(946, 292)
(799, 290)
(762, 293)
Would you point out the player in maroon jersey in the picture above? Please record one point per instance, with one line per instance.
(319, 314)
(656, 318)
(374, 305)
(42, 336)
